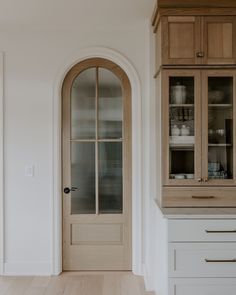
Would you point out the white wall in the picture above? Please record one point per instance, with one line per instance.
(155, 224)
(32, 62)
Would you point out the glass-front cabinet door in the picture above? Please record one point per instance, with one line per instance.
(181, 111)
(218, 127)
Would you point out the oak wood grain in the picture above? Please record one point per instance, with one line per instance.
(94, 256)
(210, 197)
(99, 283)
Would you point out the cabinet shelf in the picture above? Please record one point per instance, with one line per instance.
(181, 141)
(181, 105)
(222, 105)
(179, 147)
(219, 144)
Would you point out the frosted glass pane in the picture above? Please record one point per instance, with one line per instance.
(83, 178)
(110, 177)
(110, 110)
(220, 128)
(83, 111)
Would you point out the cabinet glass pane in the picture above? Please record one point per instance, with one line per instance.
(181, 133)
(110, 177)
(110, 109)
(220, 127)
(83, 93)
(83, 178)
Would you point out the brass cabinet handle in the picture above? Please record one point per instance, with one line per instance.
(220, 260)
(200, 54)
(220, 231)
(203, 197)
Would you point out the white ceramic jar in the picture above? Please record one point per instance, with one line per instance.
(178, 94)
(185, 131)
(175, 131)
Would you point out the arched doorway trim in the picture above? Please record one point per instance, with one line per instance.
(56, 207)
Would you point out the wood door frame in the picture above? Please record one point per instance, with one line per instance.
(126, 216)
(56, 206)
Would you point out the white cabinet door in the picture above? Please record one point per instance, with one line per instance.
(202, 260)
(202, 230)
(202, 286)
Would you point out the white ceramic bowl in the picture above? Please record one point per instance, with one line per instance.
(179, 176)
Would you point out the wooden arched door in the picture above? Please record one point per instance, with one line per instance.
(96, 161)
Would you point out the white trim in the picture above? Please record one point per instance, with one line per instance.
(1, 169)
(147, 279)
(27, 269)
(123, 62)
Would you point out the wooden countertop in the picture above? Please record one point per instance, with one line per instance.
(198, 212)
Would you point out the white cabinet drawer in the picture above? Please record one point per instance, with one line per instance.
(202, 287)
(202, 259)
(202, 230)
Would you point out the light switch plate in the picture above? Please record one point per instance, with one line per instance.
(29, 171)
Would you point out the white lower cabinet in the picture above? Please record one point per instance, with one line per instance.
(202, 286)
(202, 257)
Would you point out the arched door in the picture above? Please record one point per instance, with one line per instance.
(96, 161)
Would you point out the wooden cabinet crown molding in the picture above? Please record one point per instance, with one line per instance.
(197, 3)
(197, 8)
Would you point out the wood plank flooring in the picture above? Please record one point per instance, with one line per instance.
(75, 283)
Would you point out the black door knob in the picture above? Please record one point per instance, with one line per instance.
(66, 190)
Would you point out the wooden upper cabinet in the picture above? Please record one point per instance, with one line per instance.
(181, 39)
(219, 42)
(197, 40)
(198, 127)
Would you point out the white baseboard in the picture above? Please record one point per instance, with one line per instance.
(1, 267)
(27, 269)
(147, 279)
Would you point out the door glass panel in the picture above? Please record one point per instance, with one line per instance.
(220, 127)
(181, 133)
(110, 110)
(83, 93)
(110, 177)
(83, 178)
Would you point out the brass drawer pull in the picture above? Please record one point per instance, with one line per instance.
(203, 197)
(220, 261)
(220, 231)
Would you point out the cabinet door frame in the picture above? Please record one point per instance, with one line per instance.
(205, 49)
(166, 39)
(205, 75)
(166, 125)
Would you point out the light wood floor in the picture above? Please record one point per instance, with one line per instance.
(75, 283)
